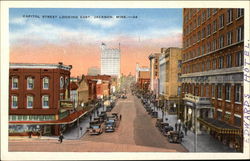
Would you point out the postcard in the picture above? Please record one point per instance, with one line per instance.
(125, 80)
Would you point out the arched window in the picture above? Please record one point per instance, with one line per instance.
(30, 83)
(14, 83)
(61, 82)
(45, 83)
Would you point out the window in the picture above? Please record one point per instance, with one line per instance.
(240, 12)
(199, 51)
(14, 101)
(214, 44)
(229, 61)
(199, 36)
(203, 17)
(239, 59)
(213, 91)
(30, 100)
(208, 29)
(208, 13)
(214, 63)
(215, 26)
(221, 44)
(67, 81)
(229, 38)
(203, 33)
(219, 91)
(220, 62)
(229, 15)
(199, 20)
(221, 20)
(14, 83)
(61, 82)
(207, 90)
(30, 83)
(238, 94)
(240, 34)
(203, 49)
(228, 92)
(208, 47)
(208, 65)
(45, 83)
(215, 10)
(61, 96)
(45, 101)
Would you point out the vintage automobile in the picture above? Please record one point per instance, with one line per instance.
(99, 119)
(175, 136)
(95, 129)
(158, 121)
(166, 129)
(124, 96)
(110, 125)
(154, 114)
(162, 125)
(103, 115)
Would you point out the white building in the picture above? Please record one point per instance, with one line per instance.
(110, 61)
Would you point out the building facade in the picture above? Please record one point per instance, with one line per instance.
(154, 72)
(94, 71)
(110, 61)
(143, 80)
(170, 83)
(36, 95)
(212, 72)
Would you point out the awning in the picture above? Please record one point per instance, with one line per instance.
(220, 126)
(67, 120)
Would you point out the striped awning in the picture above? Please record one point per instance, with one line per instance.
(220, 126)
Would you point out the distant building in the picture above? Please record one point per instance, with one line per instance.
(139, 69)
(154, 72)
(142, 77)
(83, 91)
(74, 93)
(94, 71)
(110, 61)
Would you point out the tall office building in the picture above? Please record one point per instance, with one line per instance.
(212, 72)
(110, 61)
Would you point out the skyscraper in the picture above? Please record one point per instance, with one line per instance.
(110, 61)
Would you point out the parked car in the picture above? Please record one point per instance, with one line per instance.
(162, 125)
(158, 121)
(124, 96)
(99, 119)
(110, 126)
(175, 136)
(95, 129)
(154, 114)
(167, 129)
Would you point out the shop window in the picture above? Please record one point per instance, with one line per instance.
(14, 83)
(14, 102)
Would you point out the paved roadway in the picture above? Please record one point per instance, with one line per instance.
(135, 133)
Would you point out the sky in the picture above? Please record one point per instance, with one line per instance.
(74, 35)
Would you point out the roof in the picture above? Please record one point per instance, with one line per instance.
(73, 86)
(40, 66)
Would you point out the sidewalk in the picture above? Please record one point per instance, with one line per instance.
(205, 142)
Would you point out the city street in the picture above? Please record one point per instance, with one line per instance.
(136, 132)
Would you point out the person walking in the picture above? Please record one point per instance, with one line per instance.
(120, 117)
(175, 126)
(61, 138)
(90, 117)
(185, 129)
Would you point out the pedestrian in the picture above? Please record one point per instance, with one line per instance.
(175, 126)
(185, 129)
(120, 117)
(90, 117)
(61, 138)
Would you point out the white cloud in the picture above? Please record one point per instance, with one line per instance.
(103, 22)
(18, 21)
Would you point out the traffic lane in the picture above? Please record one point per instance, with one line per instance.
(124, 132)
(146, 134)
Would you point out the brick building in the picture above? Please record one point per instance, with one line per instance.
(39, 98)
(143, 80)
(212, 72)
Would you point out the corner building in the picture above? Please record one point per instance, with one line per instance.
(212, 73)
